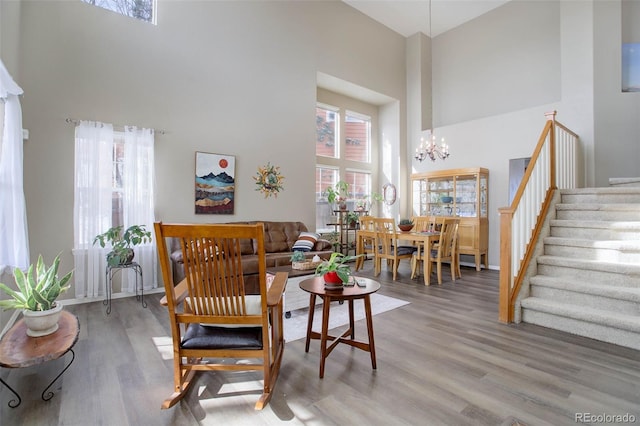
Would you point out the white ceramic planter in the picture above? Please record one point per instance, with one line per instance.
(41, 323)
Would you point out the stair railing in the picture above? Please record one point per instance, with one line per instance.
(553, 165)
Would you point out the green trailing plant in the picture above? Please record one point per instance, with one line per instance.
(338, 193)
(39, 292)
(362, 203)
(122, 243)
(405, 222)
(376, 196)
(337, 263)
(352, 219)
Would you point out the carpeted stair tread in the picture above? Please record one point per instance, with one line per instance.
(596, 316)
(617, 207)
(600, 190)
(613, 292)
(594, 265)
(630, 245)
(628, 225)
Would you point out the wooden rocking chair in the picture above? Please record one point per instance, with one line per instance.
(211, 316)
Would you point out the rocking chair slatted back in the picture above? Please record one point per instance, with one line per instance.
(211, 316)
(213, 271)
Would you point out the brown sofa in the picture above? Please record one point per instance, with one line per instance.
(279, 238)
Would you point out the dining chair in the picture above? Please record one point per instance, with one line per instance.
(388, 247)
(445, 251)
(422, 224)
(214, 324)
(365, 240)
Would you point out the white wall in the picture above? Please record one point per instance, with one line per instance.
(617, 114)
(505, 60)
(235, 78)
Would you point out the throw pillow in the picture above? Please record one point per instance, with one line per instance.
(305, 241)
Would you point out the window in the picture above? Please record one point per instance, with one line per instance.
(327, 131)
(114, 178)
(143, 10)
(357, 137)
(14, 238)
(343, 153)
(359, 184)
(117, 212)
(325, 177)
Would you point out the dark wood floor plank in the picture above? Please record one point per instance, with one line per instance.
(443, 359)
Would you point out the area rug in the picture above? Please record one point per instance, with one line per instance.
(296, 327)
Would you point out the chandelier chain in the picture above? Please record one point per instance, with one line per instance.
(429, 148)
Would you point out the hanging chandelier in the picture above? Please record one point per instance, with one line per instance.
(429, 148)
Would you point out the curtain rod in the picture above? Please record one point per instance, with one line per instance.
(75, 122)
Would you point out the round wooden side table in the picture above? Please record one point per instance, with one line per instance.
(315, 288)
(18, 350)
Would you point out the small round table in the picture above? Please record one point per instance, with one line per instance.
(315, 287)
(18, 350)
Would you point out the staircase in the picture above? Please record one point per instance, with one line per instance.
(588, 279)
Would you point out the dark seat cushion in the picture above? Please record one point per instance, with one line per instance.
(210, 337)
(402, 250)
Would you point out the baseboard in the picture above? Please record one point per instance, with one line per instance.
(76, 301)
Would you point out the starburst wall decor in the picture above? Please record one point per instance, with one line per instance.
(269, 180)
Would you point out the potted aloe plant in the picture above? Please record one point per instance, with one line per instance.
(36, 296)
(122, 243)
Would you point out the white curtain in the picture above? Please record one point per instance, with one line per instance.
(93, 199)
(14, 237)
(138, 200)
(92, 204)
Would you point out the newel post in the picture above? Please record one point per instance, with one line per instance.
(551, 116)
(505, 311)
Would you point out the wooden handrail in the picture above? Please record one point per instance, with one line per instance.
(521, 223)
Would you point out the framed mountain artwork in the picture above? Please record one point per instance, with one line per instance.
(215, 183)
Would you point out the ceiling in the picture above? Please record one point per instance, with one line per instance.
(408, 17)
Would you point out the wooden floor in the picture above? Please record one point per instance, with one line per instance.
(444, 359)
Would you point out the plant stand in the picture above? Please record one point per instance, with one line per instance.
(111, 270)
(346, 244)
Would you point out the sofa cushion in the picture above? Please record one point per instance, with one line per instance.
(280, 236)
(305, 241)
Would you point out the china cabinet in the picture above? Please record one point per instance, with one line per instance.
(461, 193)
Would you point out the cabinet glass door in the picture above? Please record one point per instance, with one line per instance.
(484, 197)
(441, 197)
(419, 197)
(466, 199)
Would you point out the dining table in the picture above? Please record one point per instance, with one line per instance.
(418, 238)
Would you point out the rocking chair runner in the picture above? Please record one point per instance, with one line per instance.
(211, 316)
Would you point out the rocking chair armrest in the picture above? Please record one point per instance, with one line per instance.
(275, 292)
(180, 291)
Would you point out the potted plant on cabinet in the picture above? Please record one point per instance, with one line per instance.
(36, 296)
(335, 270)
(122, 243)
